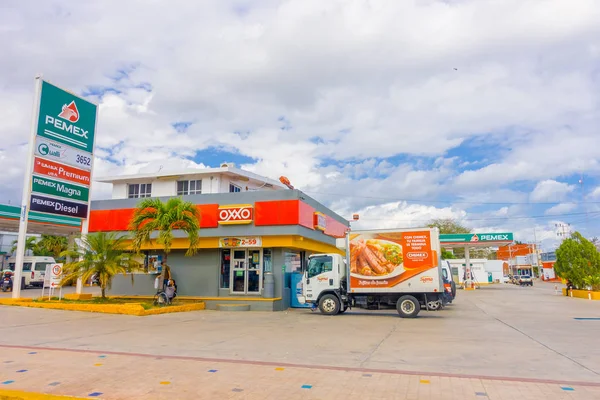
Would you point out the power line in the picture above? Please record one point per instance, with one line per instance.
(442, 201)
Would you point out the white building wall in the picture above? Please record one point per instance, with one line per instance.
(162, 188)
(477, 268)
(496, 268)
(119, 191)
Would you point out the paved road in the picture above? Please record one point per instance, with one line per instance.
(499, 332)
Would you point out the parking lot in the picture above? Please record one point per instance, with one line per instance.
(497, 334)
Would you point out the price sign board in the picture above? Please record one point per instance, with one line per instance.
(252, 241)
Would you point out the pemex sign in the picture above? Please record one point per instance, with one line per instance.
(62, 154)
(66, 118)
(472, 238)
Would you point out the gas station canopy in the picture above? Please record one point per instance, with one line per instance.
(476, 240)
(38, 222)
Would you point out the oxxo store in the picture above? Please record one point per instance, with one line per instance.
(243, 238)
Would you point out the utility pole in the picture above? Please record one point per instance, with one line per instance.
(563, 231)
(587, 225)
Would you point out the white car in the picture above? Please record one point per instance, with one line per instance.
(505, 279)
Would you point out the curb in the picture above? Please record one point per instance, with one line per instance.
(124, 309)
(21, 395)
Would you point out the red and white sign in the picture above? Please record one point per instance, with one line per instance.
(56, 170)
(235, 214)
(55, 275)
(70, 112)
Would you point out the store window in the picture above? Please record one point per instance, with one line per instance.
(293, 263)
(189, 187)
(225, 268)
(139, 190)
(234, 188)
(267, 260)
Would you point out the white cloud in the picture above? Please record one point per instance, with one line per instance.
(550, 191)
(561, 208)
(355, 82)
(401, 215)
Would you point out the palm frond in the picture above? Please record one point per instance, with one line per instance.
(152, 215)
(103, 254)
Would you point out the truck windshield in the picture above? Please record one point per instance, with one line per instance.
(318, 265)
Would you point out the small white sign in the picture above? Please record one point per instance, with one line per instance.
(55, 275)
(64, 154)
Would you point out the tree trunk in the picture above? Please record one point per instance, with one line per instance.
(103, 292)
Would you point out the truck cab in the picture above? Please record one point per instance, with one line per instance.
(325, 274)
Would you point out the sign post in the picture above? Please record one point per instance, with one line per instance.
(52, 279)
(60, 161)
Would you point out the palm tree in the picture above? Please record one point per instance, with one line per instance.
(153, 215)
(31, 244)
(102, 254)
(54, 245)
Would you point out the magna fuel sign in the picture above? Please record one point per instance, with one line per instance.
(235, 214)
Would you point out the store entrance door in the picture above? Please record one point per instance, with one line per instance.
(246, 271)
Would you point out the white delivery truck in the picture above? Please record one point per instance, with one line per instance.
(382, 269)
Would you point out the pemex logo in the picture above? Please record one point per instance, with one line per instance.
(70, 112)
(475, 238)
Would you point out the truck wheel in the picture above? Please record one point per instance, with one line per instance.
(329, 304)
(408, 306)
(23, 286)
(453, 289)
(434, 305)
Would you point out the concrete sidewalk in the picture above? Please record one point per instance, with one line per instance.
(90, 374)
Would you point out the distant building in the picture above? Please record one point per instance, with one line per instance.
(520, 257)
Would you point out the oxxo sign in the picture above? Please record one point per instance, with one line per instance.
(235, 214)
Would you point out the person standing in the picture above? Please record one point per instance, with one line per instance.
(165, 274)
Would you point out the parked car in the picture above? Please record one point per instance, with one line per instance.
(525, 280)
(34, 270)
(506, 279)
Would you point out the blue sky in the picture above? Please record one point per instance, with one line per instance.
(403, 112)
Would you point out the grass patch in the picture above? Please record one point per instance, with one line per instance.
(147, 305)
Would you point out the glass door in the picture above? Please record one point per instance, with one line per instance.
(254, 272)
(238, 269)
(246, 271)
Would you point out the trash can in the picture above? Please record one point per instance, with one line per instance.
(269, 289)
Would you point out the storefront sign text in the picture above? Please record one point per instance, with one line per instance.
(235, 214)
(320, 221)
(254, 241)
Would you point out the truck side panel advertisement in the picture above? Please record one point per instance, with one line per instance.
(383, 261)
